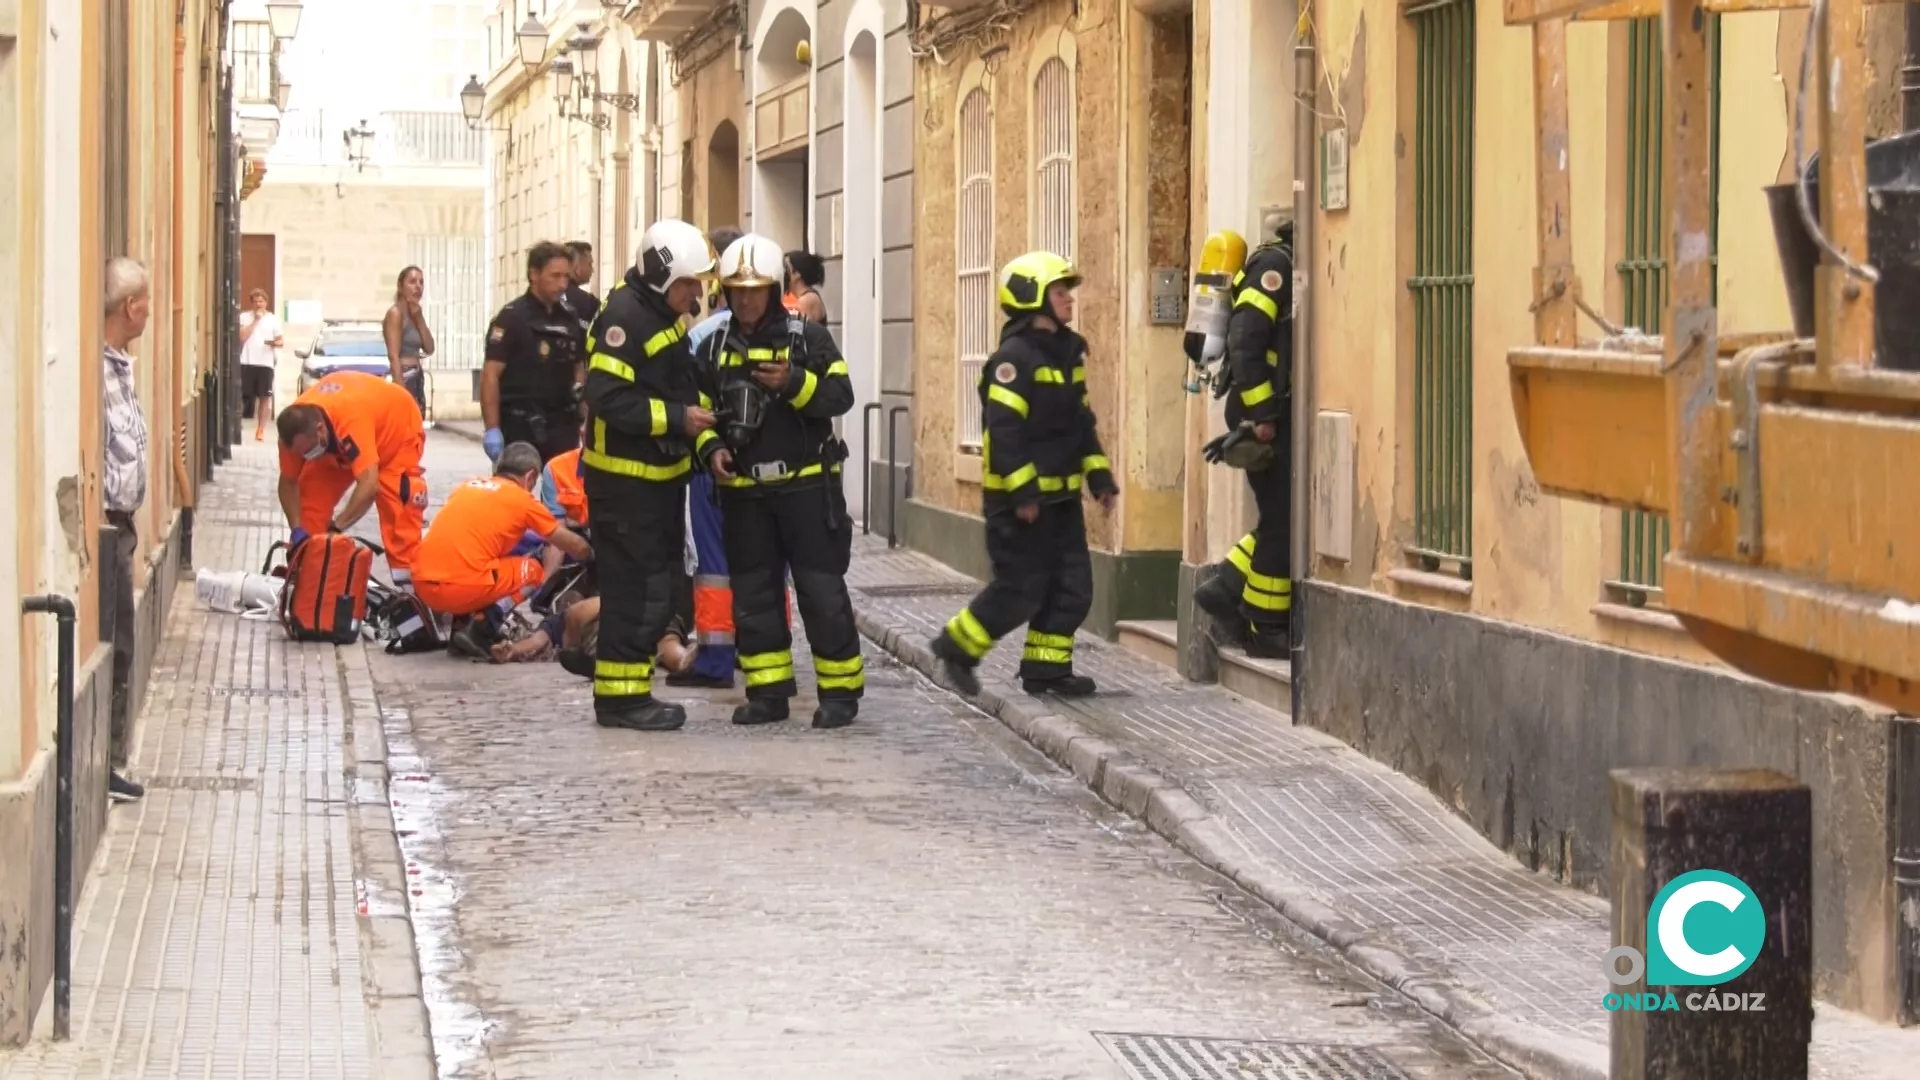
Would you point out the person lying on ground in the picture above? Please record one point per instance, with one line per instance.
(576, 631)
(469, 567)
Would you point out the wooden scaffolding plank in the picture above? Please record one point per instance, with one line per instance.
(1555, 283)
(1533, 12)
(1842, 303)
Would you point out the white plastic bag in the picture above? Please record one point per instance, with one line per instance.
(238, 592)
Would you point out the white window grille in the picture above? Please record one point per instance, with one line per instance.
(1053, 153)
(974, 317)
(455, 301)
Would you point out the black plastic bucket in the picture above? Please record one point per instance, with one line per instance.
(1893, 239)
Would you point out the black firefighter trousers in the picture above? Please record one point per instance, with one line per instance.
(1043, 577)
(639, 544)
(808, 530)
(1264, 557)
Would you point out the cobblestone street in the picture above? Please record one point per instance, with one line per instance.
(919, 896)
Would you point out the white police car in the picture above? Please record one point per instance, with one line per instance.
(344, 346)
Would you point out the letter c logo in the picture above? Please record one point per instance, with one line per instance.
(1707, 926)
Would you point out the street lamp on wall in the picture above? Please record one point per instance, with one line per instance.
(356, 141)
(284, 15)
(533, 40)
(282, 91)
(473, 102)
(587, 47)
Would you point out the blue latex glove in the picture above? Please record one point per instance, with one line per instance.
(494, 442)
(299, 537)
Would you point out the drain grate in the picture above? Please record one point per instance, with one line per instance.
(957, 588)
(200, 783)
(251, 691)
(1179, 1057)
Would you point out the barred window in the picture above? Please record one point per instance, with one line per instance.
(974, 318)
(1054, 209)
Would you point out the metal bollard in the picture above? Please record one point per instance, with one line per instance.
(867, 413)
(1711, 973)
(893, 457)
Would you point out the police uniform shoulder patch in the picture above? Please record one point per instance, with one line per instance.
(616, 336)
(499, 333)
(1270, 281)
(1005, 372)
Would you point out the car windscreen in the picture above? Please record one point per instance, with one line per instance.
(350, 345)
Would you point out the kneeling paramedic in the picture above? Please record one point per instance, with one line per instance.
(361, 432)
(644, 410)
(1250, 598)
(1039, 448)
(779, 381)
(471, 562)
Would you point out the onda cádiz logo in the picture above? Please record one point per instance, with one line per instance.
(1704, 929)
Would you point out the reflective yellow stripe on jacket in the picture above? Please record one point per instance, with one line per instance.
(596, 455)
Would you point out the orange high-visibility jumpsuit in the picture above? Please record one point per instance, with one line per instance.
(467, 561)
(373, 424)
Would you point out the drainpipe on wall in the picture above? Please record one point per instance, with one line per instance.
(181, 476)
(1306, 89)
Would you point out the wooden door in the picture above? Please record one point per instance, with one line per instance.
(257, 254)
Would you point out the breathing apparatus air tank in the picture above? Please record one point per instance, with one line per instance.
(1211, 306)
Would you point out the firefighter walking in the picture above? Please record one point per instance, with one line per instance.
(1250, 598)
(778, 382)
(1039, 451)
(644, 413)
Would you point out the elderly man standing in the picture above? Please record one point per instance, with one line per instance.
(125, 485)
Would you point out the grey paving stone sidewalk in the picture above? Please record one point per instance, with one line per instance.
(1362, 856)
(217, 933)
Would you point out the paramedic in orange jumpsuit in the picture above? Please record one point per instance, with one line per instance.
(359, 432)
(470, 563)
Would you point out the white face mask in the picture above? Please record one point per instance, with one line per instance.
(319, 451)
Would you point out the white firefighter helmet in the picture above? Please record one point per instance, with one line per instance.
(753, 261)
(672, 250)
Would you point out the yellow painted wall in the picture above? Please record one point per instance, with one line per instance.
(1538, 560)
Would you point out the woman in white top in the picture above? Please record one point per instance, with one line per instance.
(408, 338)
(260, 334)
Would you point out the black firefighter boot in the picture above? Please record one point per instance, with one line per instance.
(1068, 685)
(1219, 600)
(1268, 640)
(957, 665)
(764, 710)
(648, 715)
(835, 713)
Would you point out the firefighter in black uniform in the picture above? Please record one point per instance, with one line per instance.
(580, 299)
(644, 413)
(1039, 451)
(778, 382)
(534, 361)
(1251, 596)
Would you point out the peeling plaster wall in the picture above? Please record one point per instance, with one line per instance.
(1112, 53)
(1538, 560)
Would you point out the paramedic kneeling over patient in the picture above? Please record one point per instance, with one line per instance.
(360, 432)
(471, 566)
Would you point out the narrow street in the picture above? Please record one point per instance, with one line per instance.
(922, 895)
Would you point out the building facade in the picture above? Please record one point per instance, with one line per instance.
(118, 136)
(1504, 646)
(794, 119)
(411, 192)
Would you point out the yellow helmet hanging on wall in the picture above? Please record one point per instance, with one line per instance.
(753, 261)
(1024, 282)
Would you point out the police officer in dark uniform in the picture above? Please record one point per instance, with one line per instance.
(778, 382)
(1039, 452)
(644, 411)
(1251, 595)
(535, 358)
(580, 299)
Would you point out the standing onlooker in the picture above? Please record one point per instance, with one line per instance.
(125, 486)
(580, 299)
(408, 338)
(260, 334)
(805, 274)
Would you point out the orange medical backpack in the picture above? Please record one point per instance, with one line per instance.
(325, 598)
